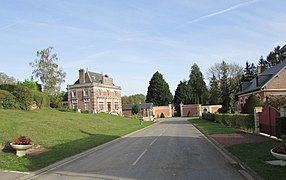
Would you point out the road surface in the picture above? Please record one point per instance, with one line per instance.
(170, 149)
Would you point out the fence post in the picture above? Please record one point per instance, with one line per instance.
(256, 119)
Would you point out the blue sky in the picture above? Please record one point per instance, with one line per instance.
(131, 40)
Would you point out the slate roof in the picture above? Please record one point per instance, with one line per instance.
(262, 79)
(143, 106)
(92, 77)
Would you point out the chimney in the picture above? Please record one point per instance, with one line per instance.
(259, 69)
(81, 76)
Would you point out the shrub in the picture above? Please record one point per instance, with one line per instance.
(41, 99)
(85, 112)
(8, 87)
(7, 100)
(66, 110)
(24, 97)
(251, 102)
(280, 126)
(240, 121)
(162, 115)
(135, 109)
(189, 114)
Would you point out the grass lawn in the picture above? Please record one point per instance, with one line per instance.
(209, 127)
(255, 155)
(63, 133)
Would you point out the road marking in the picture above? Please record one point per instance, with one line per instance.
(139, 157)
(153, 141)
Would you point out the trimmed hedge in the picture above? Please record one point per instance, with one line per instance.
(280, 126)
(239, 121)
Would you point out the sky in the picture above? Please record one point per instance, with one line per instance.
(132, 39)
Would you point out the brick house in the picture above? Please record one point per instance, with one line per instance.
(94, 92)
(271, 82)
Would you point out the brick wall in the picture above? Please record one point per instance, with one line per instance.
(166, 110)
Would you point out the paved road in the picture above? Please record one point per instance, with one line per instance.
(171, 149)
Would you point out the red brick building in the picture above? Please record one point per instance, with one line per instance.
(94, 92)
(271, 82)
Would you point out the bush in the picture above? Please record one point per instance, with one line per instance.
(280, 126)
(85, 112)
(66, 110)
(8, 87)
(162, 115)
(239, 121)
(189, 114)
(7, 100)
(251, 102)
(24, 97)
(42, 100)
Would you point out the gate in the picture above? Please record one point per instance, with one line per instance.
(267, 121)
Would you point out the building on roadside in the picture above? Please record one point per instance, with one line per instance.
(271, 82)
(94, 92)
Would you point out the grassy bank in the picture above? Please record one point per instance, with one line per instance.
(63, 133)
(254, 155)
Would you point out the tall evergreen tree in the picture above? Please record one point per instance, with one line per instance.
(214, 91)
(158, 91)
(263, 63)
(197, 86)
(181, 95)
(224, 87)
(249, 72)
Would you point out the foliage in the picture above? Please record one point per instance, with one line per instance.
(280, 126)
(251, 102)
(215, 97)
(66, 109)
(41, 99)
(64, 134)
(158, 91)
(5, 79)
(47, 71)
(24, 97)
(240, 121)
(277, 101)
(181, 96)
(56, 99)
(249, 72)
(275, 57)
(135, 109)
(8, 87)
(22, 140)
(133, 99)
(162, 115)
(228, 76)
(7, 100)
(198, 91)
(29, 84)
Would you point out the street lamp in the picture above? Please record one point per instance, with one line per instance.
(140, 114)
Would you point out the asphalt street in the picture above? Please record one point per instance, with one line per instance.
(170, 149)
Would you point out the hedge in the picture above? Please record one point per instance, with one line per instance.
(41, 99)
(280, 126)
(7, 100)
(239, 121)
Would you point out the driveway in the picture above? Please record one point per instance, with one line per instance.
(170, 149)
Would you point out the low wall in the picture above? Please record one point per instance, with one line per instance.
(168, 111)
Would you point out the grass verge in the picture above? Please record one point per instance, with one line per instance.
(253, 155)
(63, 133)
(209, 127)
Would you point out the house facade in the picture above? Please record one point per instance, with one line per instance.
(271, 82)
(94, 92)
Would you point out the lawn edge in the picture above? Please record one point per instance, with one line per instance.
(246, 171)
(70, 159)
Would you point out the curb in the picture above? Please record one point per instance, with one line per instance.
(78, 156)
(243, 169)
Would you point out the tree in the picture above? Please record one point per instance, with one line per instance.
(5, 79)
(276, 56)
(134, 99)
(249, 72)
(197, 86)
(229, 77)
(47, 71)
(214, 91)
(158, 91)
(251, 102)
(181, 95)
(135, 109)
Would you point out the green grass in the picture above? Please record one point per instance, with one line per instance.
(255, 155)
(63, 133)
(209, 127)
